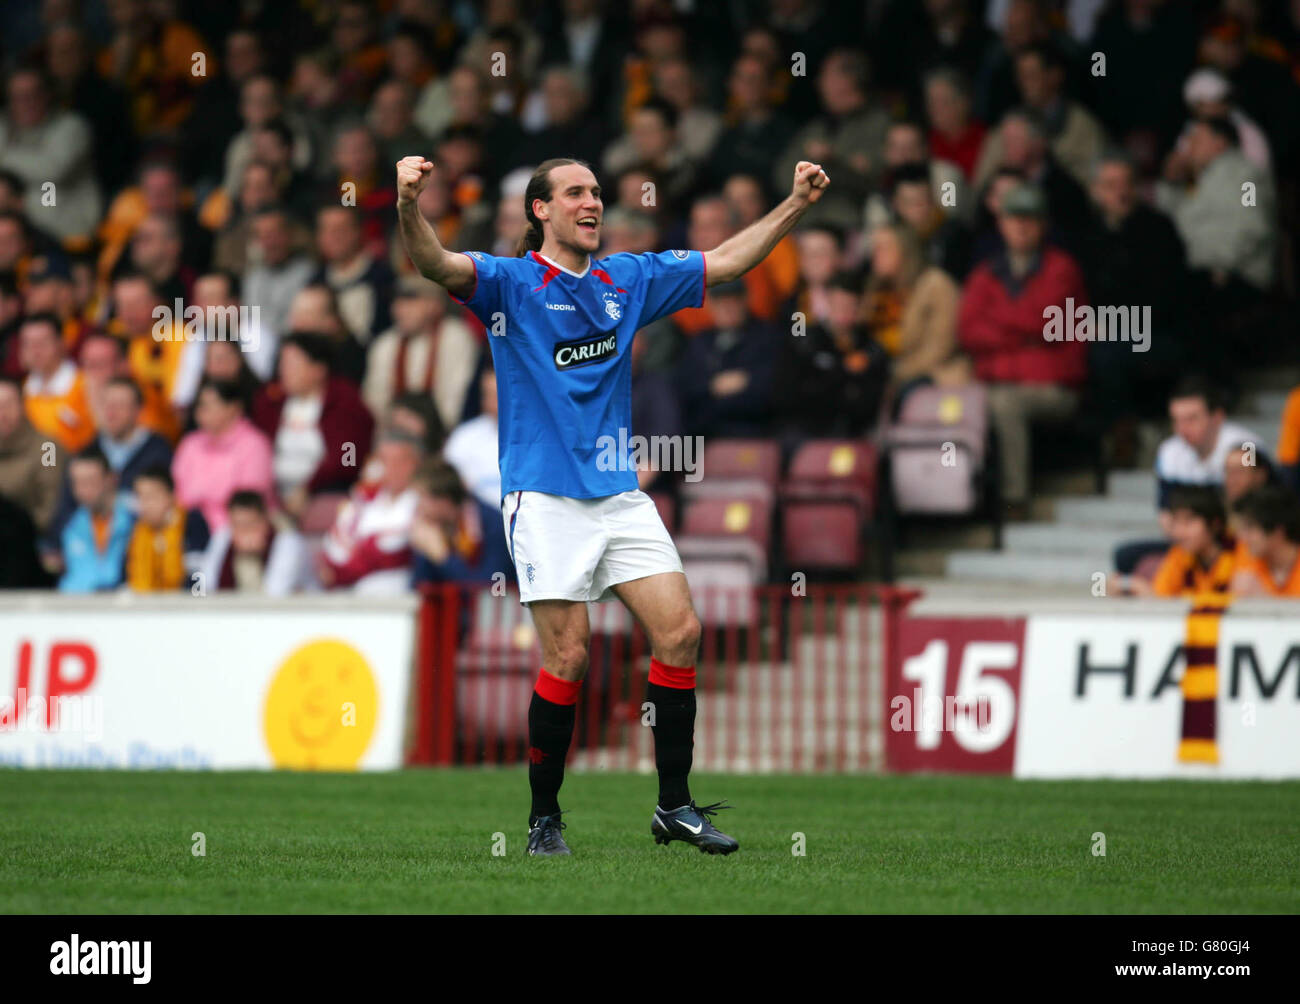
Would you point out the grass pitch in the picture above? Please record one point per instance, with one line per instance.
(422, 841)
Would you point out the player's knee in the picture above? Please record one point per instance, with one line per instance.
(683, 641)
(570, 661)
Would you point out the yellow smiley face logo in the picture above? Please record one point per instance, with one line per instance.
(321, 708)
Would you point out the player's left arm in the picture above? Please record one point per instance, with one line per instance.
(737, 255)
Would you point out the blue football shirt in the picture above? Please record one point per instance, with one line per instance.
(562, 347)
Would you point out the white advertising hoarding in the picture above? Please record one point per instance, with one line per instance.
(201, 683)
(1100, 697)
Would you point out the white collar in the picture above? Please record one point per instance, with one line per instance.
(566, 271)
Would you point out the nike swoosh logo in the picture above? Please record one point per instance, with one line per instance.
(693, 829)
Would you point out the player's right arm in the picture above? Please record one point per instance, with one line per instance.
(454, 272)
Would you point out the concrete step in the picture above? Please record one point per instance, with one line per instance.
(1140, 484)
(1069, 538)
(1002, 566)
(1120, 512)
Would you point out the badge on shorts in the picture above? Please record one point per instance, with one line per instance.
(528, 572)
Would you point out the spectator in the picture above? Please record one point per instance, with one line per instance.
(656, 410)
(454, 536)
(426, 351)
(713, 221)
(362, 283)
(652, 142)
(1132, 255)
(1209, 95)
(1269, 524)
(225, 454)
(315, 310)
(168, 541)
(1231, 240)
(221, 319)
(28, 475)
(745, 195)
(127, 444)
(252, 553)
(1032, 378)
(41, 145)
(1194, 455)
(1288, 442)
(1021, 144)
(472, 446)
(218, 107)
(153, 360)
(905, 148)
(726, 374)
(411, 61)
(95, 540)
(945, 240)
(368, 549)
(317, 422)
(756, 134)
(1201, 559)
(278, 269)
(260, 104)
(55, 393)
(1073, 135)
(911, 308)
(391, 122)
(834, 377)
(99, 103)
(847, 139)
(1244, 470)
(821, 255)
(569, 125)
(954, 134)
(363, 181)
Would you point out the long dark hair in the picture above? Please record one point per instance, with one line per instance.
(539, 187)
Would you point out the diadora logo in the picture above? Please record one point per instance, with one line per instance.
(585, 351)
(560, 306)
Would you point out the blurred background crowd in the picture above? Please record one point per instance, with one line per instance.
(988, 160)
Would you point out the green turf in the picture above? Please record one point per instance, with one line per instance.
(421, 841)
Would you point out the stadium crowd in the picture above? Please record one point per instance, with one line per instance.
(311, 414)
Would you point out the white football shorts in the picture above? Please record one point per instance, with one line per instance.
(576, 549)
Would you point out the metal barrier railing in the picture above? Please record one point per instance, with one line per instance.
(786, 683)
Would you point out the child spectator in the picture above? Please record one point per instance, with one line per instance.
(252, 554)
(95, 539)
(1269, 522)
(168, 542)
(1201, 559)
(456, 538)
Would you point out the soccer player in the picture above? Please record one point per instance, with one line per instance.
(561, 324)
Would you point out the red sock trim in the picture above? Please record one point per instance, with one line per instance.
(677, 677)
(557, 691)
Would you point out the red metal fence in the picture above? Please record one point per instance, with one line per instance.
(786, 683)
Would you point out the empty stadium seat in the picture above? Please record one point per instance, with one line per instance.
(828, 499)
(751, 467)
(937, 451)
(724, 546)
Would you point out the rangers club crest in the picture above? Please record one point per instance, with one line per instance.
(612, 307)
(683, 255)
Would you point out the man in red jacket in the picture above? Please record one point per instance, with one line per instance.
(317, 423)
(1033, 375)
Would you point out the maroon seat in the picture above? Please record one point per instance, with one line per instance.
(751, 466)
(821, 535)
